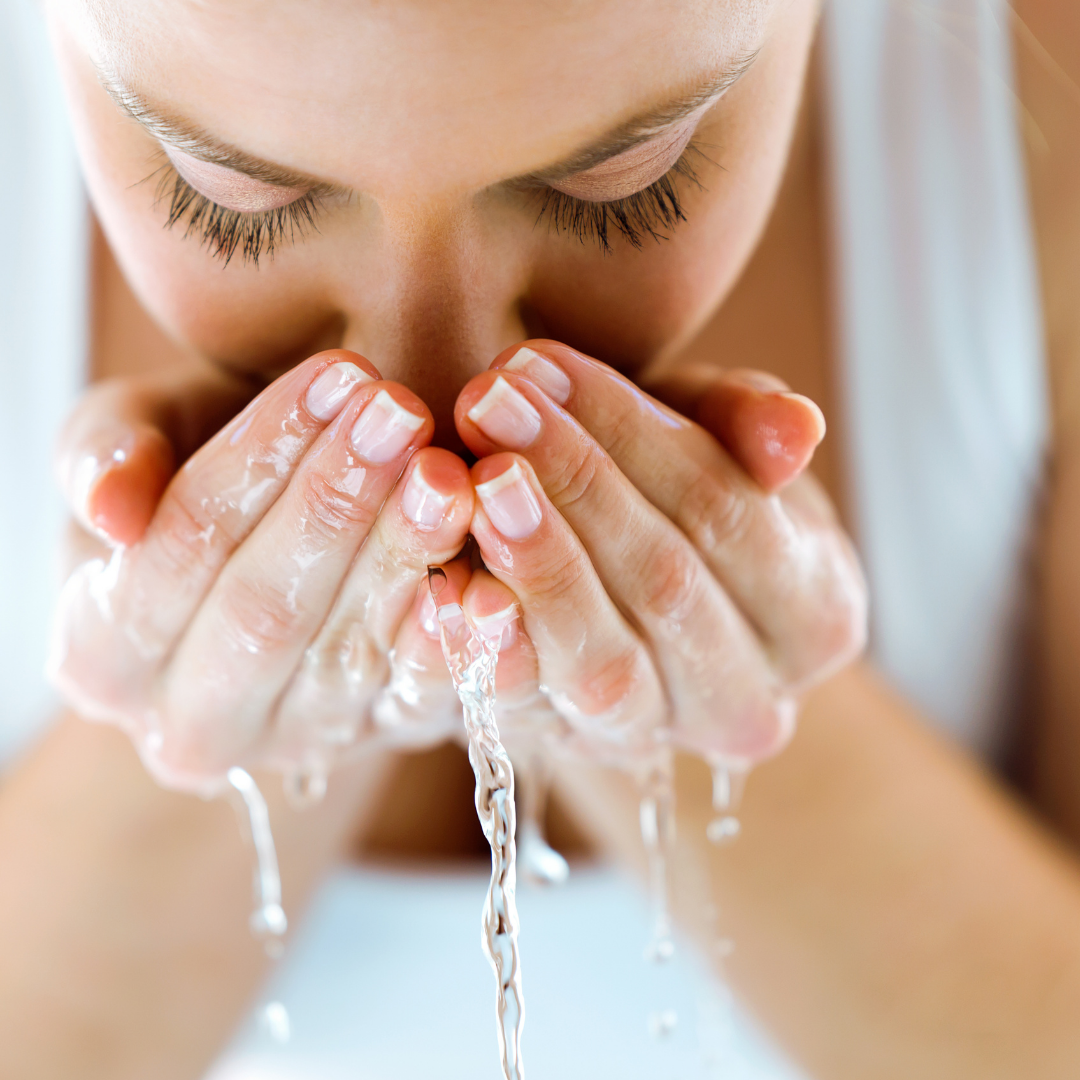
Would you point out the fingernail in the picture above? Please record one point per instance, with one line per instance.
(492, 626)
(762, 381)
(429, 616)
(384, 429)
(333, 388)
(506, 417)
(422, 504)
(510, 504)
(538, 369)
(819, 416)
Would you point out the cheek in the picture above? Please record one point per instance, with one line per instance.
(632, 307)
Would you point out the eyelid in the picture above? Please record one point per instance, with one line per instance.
(229, 188)
(633, 170)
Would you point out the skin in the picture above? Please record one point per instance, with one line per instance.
(851, 952)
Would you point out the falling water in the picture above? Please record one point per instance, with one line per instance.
(729, 780)
(471, 659)
(540, 863)
(268, 922)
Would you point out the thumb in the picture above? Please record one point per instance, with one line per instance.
(123, 441)
(769, 430)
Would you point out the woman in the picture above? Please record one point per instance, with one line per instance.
(637, 572)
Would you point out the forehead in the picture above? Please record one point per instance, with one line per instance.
(475, 90)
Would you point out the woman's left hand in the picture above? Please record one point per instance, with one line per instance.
(667, 590)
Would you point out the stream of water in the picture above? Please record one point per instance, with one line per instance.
(472, 659)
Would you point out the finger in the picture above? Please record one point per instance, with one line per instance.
(120, 446)
(418, 705)
(782, 559)
(598, 673)
(769, 430)
(275, 591)
(520, 704)
(222, 492)
(725, 693)
(425, 522)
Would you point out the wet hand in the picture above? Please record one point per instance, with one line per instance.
(260, 606)
(676, 580)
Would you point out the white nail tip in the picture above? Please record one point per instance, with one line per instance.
(506, 416)
(492, 488)
(494, 624)
(511, 504)
(400, 416)
(422, 504)
(539, 369)
(333, 387)
(384, 429)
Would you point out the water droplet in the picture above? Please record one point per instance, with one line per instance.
(305, 787)
(662, 1024)
(269, 920)
(660, 950)
(723, 830)
(275, 1022)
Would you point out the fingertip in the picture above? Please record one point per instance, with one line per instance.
(772, 434)
(123, 495)
(437, 489)
(491, 606)
(329, 357)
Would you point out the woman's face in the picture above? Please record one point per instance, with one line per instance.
(436, 176)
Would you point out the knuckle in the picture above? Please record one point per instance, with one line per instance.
(578, 479)
(672, 584)
(347, 659)
(618, 684)
(257, 617)
(713, 513)
(189, 530)
(329, 506)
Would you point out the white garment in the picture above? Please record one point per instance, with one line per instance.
(43, 318)
(944, 367)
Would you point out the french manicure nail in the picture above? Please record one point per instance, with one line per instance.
(511, 504)
(384, 429)
(333, 388)
(506, 417)
(538, 369)
(421, 503)
(819, 416)
(492, 626)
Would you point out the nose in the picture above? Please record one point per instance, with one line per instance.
(434, 304)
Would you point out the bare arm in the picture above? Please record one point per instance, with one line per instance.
(126, 952)
(895, 915)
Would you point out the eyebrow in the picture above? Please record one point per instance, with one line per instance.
(188, 138)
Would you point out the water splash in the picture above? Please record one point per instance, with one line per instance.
(472, 659)
(729, 782)
(268, 922)
(657, 817)
(540, 863)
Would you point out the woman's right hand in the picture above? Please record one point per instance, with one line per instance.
(266, 611)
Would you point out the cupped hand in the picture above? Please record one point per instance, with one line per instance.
(678, 582)
(260, 606)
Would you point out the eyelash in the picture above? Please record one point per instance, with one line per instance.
(653, 212)
(223, 231)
